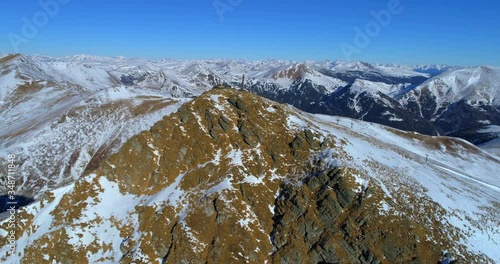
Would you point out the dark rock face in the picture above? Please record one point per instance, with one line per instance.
(324, 221)
(422, 103)
(379, 109)
(131, 79)
(475, 136)
(450, 118)
(351, 76)
(462, 116)
(301, 94)
(18, 201)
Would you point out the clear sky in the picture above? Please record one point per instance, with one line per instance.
(455, 32)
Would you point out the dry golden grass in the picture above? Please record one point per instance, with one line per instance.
(149, 106)
(451, 145)
(8, 58)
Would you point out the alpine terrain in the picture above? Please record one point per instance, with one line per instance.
(233, 177)
(127, 160)
(430, 99)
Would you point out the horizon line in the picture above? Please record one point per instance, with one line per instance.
(250, 60)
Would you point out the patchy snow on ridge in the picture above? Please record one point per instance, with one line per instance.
(464, 189)
(422, 178)
(64, 115)
(55, 131)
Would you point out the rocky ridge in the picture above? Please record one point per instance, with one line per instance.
(233, 177)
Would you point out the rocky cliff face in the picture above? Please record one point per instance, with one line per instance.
(234, 178)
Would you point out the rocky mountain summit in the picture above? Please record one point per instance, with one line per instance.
(233, 177)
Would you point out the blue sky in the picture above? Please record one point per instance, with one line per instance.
(423, 32)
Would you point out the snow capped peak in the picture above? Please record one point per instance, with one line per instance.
(220, 70)
(9, 59)
(292, 72)
(374, 87)
(479, 84)
(91, 58)
(308, 85)
(383, 69)
(360, 66)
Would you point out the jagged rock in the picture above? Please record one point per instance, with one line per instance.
(224, 123)
(238, 103)
(324, 217)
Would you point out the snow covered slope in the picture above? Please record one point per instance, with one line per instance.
(305, 85)
(476, 85)
(235, 177)
(458, 99)
(492, 146)
(60, 119)
(384, 70)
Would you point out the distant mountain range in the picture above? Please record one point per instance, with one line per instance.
(431, 99)
(112, 93)
(135, 160)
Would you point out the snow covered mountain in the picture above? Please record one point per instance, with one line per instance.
(458, 100)
(357, 90)
(477, 86)
(435, 69)
(308, 85)
(85, 107)
(233, 177)
(59, 119)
